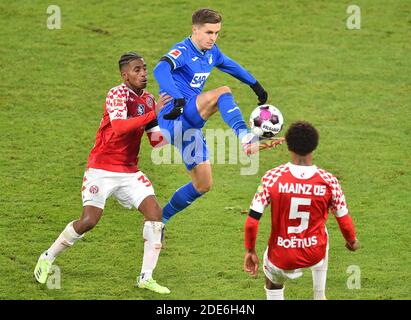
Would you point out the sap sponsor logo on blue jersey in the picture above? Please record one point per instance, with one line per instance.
(199, 79)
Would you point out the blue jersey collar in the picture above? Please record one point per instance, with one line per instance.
(202, 52)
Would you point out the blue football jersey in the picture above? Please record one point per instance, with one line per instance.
(193, 66)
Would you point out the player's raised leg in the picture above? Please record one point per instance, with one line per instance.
(71, 233)
(201, 182)
(206, 104)
(152, 244)
(222, 99)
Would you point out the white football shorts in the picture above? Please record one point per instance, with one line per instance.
(280, 276)
(130, 189)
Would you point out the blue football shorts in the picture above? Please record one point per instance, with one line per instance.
(185, 133)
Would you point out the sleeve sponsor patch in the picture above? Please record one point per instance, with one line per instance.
(175, 53)
(117, 102)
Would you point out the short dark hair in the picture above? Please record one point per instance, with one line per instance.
(126, 58)
(302, 138)
(205, 15)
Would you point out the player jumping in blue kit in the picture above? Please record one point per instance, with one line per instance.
(182, 73)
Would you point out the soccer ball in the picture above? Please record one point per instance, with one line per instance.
(266, 121)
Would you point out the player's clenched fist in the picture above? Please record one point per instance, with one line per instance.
(353, 246)
(262, 95)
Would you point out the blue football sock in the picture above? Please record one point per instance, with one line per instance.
(180, 200)
(231, 114)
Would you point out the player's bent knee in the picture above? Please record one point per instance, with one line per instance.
(203, 188)
(224, 89)
(151, 209)
(86, 224)
(155, 214)
(206, 189)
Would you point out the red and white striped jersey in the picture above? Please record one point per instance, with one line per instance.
(115, 152)
(300, 198)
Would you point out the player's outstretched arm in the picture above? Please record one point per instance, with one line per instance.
(340, 211)
(155, 137)
(162, 73)
(251, 261)
(347, 229)
(153, 131)
(231, 67)
(123, 126)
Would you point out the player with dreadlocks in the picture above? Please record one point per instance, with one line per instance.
(112, 169)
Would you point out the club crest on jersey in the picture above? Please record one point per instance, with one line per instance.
(210, 59)
(93, 189)
(175, 53)
(140, 109)
(199, 79)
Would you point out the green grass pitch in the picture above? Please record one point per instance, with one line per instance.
(354, 85)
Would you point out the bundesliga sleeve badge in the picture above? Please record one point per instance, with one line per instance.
(175, 53)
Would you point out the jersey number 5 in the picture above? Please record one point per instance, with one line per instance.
(295, 214)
